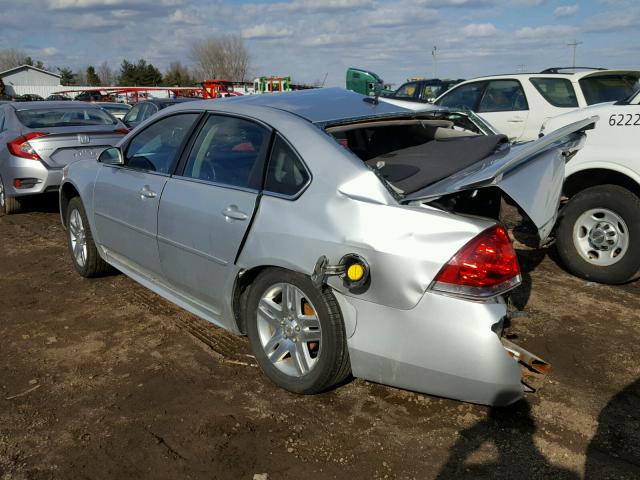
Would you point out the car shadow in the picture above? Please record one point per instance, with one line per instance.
(46, 203)
(614, 451)
(506, 438)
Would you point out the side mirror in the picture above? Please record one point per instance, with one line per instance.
(111, 156)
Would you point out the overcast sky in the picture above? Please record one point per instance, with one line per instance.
(310, 38)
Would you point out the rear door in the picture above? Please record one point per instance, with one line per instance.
(504, 105)
(126, 197)
(207, 207)
(532, 174)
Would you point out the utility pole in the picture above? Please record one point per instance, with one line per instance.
(574, 45)
(521, 68)
(434, 54)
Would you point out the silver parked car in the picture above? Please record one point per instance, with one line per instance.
(37, 139)
(341, 235)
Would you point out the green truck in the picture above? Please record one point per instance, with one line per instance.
(366, 83)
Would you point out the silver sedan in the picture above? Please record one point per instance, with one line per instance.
(37, 139)
(341, 235)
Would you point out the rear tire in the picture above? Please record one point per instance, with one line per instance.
(8, 205)
(300, 345)
(84, 254)
(598, 235)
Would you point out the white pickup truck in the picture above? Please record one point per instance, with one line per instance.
(598, 231)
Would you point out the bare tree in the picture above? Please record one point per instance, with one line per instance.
(224, 57)
(11, 58)
(107, 77)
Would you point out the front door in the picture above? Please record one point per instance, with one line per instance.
(205, 211)
(126, 197)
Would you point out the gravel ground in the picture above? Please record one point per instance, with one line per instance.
(103, 379)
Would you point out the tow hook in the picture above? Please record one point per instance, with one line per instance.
(534, 369)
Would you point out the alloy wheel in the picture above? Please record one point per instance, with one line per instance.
(289, 329)
(78, 238)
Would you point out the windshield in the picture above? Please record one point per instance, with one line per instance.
(608, 88)
(64, 117)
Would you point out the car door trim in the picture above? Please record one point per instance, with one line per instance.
(125, 224)
(195, 251)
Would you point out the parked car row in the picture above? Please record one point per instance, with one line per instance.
(343, 235)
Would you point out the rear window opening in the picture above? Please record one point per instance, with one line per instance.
(64, 117)
(410, 154)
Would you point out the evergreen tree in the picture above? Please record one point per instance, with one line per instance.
(140, 73)
(67, 76)
(92, 77)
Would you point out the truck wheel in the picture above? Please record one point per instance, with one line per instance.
(598, 235)
(296, 332)
(8, 205)
(86, 259)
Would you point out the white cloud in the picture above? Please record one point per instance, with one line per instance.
(566, 10)
(49, 51)
(558, 32)
(180, 16)
(395, 17)
(479, 30)
(265, 31)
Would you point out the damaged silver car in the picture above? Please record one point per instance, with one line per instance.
(341, 235)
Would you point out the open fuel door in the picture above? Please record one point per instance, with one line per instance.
(531, 174)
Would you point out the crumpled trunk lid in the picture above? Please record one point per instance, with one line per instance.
(532, 174)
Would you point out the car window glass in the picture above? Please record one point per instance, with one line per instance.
(557, 91)
(1, 122)
(465, 96)
(132, 115)
(230, 151)
(608, 88)
(503, 96)
(156, 147)
(406, 90)
(286, 173)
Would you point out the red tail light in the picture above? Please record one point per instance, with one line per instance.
(20, 147)
(484, 267)
(124, 131)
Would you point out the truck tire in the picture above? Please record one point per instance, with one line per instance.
(598, 234)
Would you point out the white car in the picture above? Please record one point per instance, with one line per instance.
(598, 231)
(517, 105)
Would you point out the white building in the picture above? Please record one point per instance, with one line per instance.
(29, 79)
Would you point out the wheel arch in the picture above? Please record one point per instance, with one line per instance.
(244, 280)
(67, 192)
(591, 177)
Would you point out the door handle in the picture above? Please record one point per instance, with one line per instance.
(146, 192)
(516, 120)
(232, 212)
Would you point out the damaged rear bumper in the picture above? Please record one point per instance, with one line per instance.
(444, 346)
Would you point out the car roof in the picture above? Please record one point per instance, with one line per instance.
(319, 105)
(168, 101)
(51, 104)
(577, 75)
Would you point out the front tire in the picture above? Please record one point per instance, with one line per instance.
(84, 254)
(8, 205)
(598, 235)
(296, 332)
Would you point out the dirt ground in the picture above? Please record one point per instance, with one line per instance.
(103, 379)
